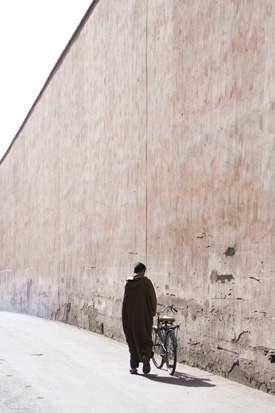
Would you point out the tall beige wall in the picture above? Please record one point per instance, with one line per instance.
(153, 141)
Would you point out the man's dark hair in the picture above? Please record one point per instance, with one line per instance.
(139, 267)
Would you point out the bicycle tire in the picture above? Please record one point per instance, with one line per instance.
(157, 358)
(171, 355)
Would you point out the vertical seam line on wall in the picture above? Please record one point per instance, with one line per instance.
(146, 132)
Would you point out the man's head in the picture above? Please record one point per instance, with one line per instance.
(139, 268)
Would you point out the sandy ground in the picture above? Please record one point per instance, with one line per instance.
(51, 367)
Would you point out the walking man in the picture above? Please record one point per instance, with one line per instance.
(138, 309)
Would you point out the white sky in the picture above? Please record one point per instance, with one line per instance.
(33, 34)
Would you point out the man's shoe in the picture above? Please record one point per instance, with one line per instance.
(133, 371)
(146, 364)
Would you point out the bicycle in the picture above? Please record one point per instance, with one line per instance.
(165, 341)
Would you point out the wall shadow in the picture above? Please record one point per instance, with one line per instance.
(181, 379)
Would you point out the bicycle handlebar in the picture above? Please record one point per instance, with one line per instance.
(173, 309)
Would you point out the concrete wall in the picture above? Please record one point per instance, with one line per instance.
(153, 141)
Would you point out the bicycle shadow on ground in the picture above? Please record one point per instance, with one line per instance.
(181, 379)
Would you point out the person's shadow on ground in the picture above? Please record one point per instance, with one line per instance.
(181, 379)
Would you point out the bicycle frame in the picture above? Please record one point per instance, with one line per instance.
(162, 330)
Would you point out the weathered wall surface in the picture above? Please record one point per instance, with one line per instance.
(153, 141)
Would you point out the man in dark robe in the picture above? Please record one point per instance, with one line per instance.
(138, 309)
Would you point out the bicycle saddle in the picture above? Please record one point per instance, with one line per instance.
(166, 318)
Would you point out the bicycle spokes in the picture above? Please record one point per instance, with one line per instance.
(158, 351)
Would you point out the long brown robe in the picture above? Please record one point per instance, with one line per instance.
(138, 308)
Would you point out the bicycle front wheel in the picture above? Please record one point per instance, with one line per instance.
(171, 355)
(157, 351)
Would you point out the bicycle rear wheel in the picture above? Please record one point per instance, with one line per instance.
(157, 358)
(171, 355)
